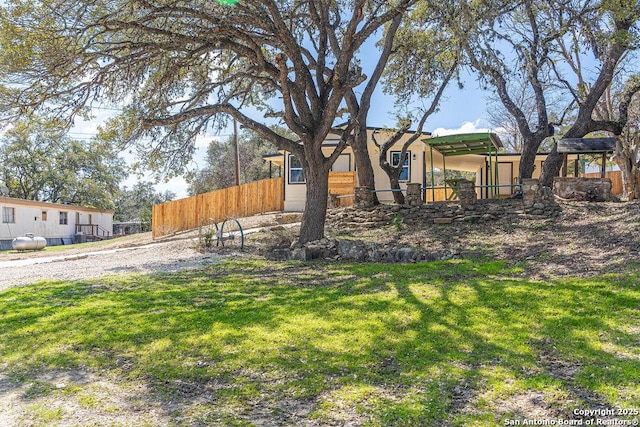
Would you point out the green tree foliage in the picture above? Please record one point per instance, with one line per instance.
(531, 52)
(219, 172)
(136, 204)
(182, 65)
(609, 36)
(39, 161)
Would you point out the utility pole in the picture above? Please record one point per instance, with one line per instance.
(236, 154)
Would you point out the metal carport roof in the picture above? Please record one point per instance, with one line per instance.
(467, 143)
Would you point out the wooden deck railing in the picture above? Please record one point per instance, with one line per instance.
(262, 196)
(93, 231)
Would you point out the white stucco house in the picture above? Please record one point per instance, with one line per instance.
(58, 223)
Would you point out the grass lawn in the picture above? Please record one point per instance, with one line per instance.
(256, 342)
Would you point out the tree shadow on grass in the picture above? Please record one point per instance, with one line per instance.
(269, 343)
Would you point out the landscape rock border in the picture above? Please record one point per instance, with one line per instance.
(357, 251)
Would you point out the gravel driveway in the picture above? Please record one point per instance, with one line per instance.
(131, 254)
(154, 257)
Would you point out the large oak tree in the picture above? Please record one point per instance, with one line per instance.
(535, 46)
(181, 65)
(608, 35)
(424, 58)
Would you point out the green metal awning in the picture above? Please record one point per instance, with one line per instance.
(483, 143)
(468, 143)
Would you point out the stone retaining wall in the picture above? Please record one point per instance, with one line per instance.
(586, 189)
(437, 213)
(536, 200)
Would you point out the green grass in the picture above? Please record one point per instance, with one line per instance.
(418, 344)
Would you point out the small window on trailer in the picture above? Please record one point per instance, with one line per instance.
(8, 215)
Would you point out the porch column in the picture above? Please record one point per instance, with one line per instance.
(467, 192)
(413, 197)
(363, 198)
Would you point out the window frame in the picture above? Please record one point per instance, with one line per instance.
(394, 160)
(64, 218)
(6, 217)
(348, 156)
(291, 168)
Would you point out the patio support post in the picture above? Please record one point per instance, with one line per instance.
(497, 174)
(424, 176)
(433, 179)
(490, 173)
(444, 175)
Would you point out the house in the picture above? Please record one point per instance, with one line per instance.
(59, 224)
(478, 154)
(295, 186)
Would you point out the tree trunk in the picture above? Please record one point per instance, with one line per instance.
(398, 196)
(528, 160)
(315, 209)
(363, 163)
(625, 158)
(551, 167)
(629, 180)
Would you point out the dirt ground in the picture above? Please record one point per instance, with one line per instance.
(586, 239)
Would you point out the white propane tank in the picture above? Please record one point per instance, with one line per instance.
(29, 242)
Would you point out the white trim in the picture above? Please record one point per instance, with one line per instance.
(289, 169)
(407, 164)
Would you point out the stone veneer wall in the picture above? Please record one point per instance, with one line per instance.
(438, 213)
(536, 201)
(588, 189)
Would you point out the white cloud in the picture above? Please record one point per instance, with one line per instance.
(466, 127)
(177, 185)
(203, 141)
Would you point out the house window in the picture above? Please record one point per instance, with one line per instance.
(44, 215)
(8, 215)
(406, 167)
(342, 163)
(64, 218)
(296, 174)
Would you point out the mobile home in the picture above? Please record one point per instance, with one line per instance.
(57, 223)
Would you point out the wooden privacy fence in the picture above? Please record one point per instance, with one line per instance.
(439, 194)
(266, 195)
(343, 184)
